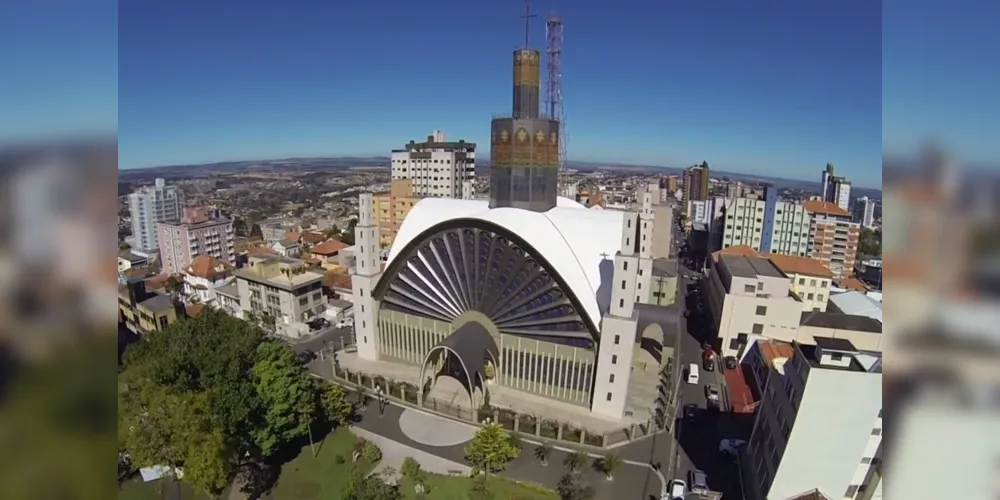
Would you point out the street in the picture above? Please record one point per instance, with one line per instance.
(330, 338)
(698, 438)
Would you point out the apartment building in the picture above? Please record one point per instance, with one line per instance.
(836, 190)
(282, 288)
(749, 296)
(437, 167)
(201, 231)
(671, 183)
(696, 182)
(811, 280)
(819, 421)
(864, 212)
(833, 237)
(149, 206)
(392, 208)
(765, 224)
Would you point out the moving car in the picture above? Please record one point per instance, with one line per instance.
(676, 490)
(731, 446)
(712, 393)
(690, 411)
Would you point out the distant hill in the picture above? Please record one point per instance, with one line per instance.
(345, 162)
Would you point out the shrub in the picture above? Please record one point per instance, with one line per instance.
(339, 459)
(411, 468)
(371, 453)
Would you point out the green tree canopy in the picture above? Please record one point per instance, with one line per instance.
(211, 391)
(490, 449)
(869, 243)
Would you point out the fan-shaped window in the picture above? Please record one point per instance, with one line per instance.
(506, 284)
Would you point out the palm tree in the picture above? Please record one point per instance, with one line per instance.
(609, 464)
(542, 453)
(574, 461)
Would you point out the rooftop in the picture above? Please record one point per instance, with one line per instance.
(826, 207)
(329, 247)
(840, 321)
(665, 268)
(857, 304)
(771, 350)
(230, 290)
(157, 303)
(750, 267)
(792, 264)
(743, 250)
(208, 267)
(834, 344)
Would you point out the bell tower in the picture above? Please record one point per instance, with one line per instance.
(367, 271)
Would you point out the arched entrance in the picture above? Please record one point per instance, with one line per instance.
(461, 356)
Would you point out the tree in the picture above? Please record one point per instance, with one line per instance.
(542, 453)
(480, 489)
(362, 487)
(609, 464)
(573, 487)
(334, 408)
(574, 461)
(869, 244)
(490, 448)
(240, 227)
(287, 395)
(256, 232)
(209, 394)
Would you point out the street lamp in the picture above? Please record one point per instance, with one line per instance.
(382, 401)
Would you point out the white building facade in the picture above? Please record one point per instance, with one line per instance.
(819, 423)
(149, 206)
(864, 212)
(777, 226)
(438, 168)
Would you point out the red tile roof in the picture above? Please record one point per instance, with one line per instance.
(329, 247)
(292, 236)
(825, 207)
(312, 237)
(334, 279)
(208, 267)
(793, 264)
(262, 251)
(853, 284)
(744, 250)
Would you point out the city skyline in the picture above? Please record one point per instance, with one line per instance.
(203, 84)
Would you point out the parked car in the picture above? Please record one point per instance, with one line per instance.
(307, 356)
(677, 490)
(698, 481)
(731, 362)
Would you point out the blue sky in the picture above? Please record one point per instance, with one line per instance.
(776, 89)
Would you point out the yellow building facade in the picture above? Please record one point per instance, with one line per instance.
(392, 208)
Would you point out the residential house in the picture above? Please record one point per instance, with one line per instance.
(328, 254)
(128, 260)
(287, 248)
(203, 276)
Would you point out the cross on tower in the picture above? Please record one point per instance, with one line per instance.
(605, 255)
(527, 21)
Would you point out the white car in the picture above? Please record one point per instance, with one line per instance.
(677, 489)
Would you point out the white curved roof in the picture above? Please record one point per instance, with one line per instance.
(574, 240)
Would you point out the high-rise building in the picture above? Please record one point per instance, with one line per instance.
(766, 224)
(864, 212)
(392, 208)
(437, 167)
(819, 422)
(672, 183)
(150, 205)
(696, 182)
(833, 237)
(836, 190)
(199, 232)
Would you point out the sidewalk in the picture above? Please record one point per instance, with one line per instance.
(393, 454)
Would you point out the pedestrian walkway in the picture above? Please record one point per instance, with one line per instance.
(394, 453)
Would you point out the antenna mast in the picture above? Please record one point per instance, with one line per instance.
(553, 84)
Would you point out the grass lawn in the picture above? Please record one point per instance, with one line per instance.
(307, 477)
(135, 489)
(457, 488)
